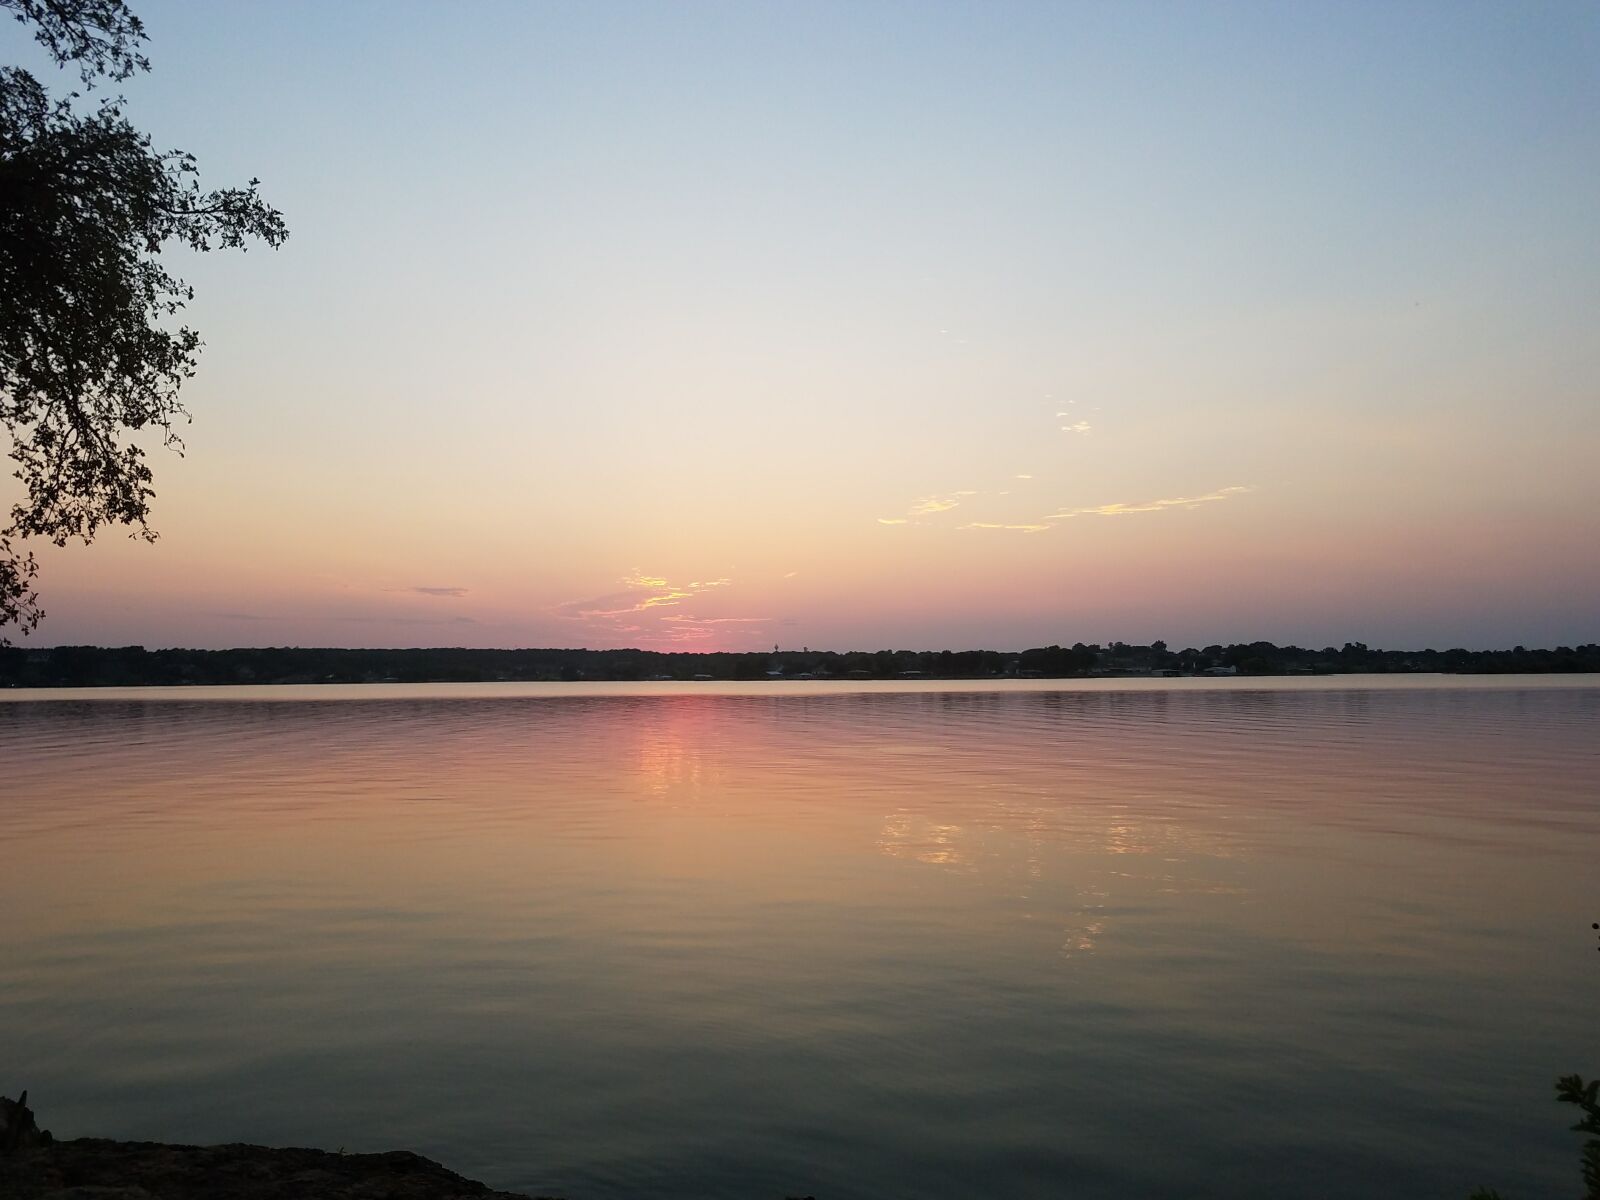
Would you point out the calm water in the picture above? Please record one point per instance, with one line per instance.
(1307, 939)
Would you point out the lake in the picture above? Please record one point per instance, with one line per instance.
(1241, 938)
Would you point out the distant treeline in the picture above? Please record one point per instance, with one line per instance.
(123, 666)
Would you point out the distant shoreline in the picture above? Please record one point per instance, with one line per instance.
(134, 666)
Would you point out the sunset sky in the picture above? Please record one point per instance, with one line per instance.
(869, 325)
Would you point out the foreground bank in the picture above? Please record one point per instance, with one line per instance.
(35, 1166)
(107, 1170)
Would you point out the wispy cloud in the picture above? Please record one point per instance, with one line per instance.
(643, 592)
(928, 505)
(931, 505)
(995, 525)
(651, 609)
(613, 604)
(1110, 510)
(1076, 426)
(686, 619)
(1123, 510)
(438, 591)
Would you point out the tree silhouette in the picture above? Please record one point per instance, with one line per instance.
(89, 355)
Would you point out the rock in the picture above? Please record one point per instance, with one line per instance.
(18, 1130)
(97, 1169)
(34, 1166)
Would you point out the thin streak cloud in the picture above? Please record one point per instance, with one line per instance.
(685, 618)
(997, 525)
(1110, 510)
(1123, 510)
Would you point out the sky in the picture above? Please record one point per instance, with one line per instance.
(876, 325)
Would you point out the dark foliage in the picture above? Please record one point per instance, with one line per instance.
(90, 355)
(1570, 1089)
(85, 666)
(101, 36)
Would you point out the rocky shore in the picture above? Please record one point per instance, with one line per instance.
(35, 1166)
